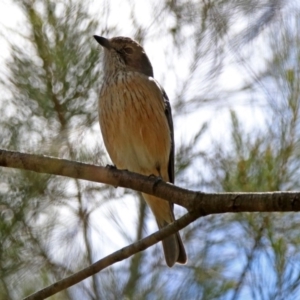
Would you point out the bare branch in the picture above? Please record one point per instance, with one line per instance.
(115, 257)
(214, 203)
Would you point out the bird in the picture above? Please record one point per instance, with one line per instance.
(137, 127)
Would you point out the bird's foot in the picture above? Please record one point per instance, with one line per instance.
(110, 166)
(115, 168)
(158, 179)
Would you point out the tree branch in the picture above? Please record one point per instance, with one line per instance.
(213, 203)
(115, 257)
(198, 204)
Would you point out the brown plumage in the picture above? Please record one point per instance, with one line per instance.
(137, 128)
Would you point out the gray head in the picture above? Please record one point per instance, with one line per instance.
(124, 54)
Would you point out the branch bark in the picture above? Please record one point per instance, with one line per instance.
(198, 204)
(213, 203)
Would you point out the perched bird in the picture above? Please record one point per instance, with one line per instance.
(137, 127)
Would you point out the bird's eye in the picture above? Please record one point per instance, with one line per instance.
(128, 50)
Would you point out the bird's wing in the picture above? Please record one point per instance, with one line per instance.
(168, 113)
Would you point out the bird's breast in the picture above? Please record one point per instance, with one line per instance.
(133, 123)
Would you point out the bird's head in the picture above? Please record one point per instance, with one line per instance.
(124, 54)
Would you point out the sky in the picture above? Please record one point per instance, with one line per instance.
(233, 76)
(239, 68)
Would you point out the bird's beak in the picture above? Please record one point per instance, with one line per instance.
(103, 41)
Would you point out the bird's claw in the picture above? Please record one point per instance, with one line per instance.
(158, 179)
(115, 168)
(110, 166)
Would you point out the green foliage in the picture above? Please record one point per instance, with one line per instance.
(51, 227)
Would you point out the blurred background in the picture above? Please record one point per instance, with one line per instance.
(231, 71)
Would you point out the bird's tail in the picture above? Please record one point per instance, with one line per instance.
(172, 245)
